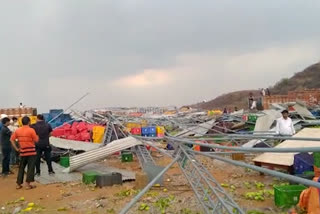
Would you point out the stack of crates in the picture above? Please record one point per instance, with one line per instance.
(47, 117)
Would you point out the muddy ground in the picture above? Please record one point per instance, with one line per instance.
(175, 196)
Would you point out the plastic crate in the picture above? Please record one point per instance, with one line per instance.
(287, 196)
(302, 162)
(316, 157)
(127, 157)
(65, 161)
(144, 131)
(89, 177)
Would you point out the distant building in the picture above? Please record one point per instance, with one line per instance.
(310, 97)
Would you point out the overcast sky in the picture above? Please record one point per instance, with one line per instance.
(150, 52)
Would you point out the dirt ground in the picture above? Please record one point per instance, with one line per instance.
(175, 196)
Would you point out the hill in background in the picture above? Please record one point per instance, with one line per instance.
(306, 79)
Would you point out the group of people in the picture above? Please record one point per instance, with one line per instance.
(29, 143)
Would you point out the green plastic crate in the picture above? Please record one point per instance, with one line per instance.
(127, 157)
(89, 177)
(316, 157)
(217, 140)
(310, 173)
(65, 161)
(287, 196)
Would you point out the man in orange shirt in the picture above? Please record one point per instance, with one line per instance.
(27, 138)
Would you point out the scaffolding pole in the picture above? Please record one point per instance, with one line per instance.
(146, 189)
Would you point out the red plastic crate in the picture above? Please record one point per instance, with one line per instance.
(136, 131)
(58, 132)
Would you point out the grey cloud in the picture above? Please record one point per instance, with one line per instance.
(92, 43)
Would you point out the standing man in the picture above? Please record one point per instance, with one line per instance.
(285, 125)
(43, 130)
(14, 155)
(6, 146)
(27, 139)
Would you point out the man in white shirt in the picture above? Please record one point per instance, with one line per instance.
(285, 125)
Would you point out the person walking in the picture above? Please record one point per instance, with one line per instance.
(284, 125)
(43, 130)
(27, 139)
(6, 148)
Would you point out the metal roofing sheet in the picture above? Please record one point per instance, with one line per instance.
(102, 152)
(198, 130)
(286, 159)
(72, 144)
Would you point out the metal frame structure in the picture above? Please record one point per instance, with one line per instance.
(208, 191)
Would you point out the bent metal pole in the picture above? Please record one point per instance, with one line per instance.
(53, 119)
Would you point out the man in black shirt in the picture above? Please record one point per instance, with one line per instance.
(43, 130)
(6, 146)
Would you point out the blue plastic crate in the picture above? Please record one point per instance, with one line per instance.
(47, 117)
(152, 135)
(303, 162)
(66, 117)
(55, 112)
(152, 130)
(144, 131)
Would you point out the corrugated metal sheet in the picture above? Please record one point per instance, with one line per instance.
(265, 122)
(303, 111)
(72, 144)
(58, 177)
(100, 153)
(199, 130)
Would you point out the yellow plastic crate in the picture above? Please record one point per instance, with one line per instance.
(98, 133)
(160, 130)
(133, 125)
(33, 120)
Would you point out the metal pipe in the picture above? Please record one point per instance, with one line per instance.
(276, 150)
(256, 136)
(146, 189)
(262, 170)
(158, 149)
(53, 119)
